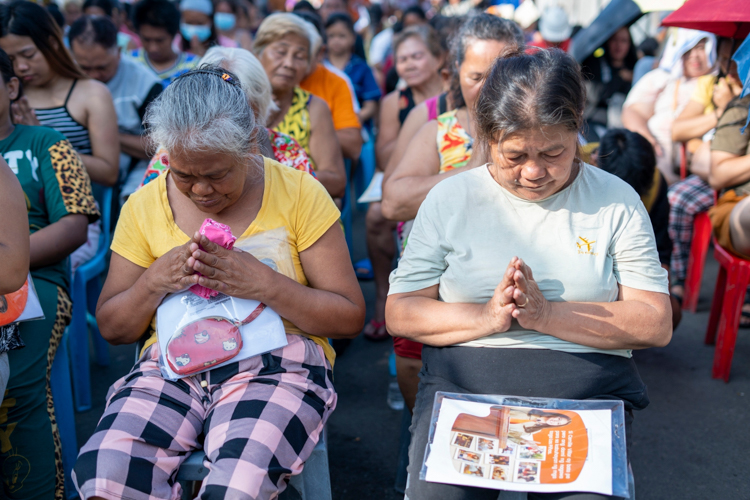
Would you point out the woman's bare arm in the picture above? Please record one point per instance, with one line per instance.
(389, 129)
(693, 122)
(325, 150)
(728, 170)
(413, 123)
(57, 241)
(14, 232)
(637, 320)
(103, 165)
(368, 111)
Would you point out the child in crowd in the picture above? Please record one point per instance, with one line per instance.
(157, 23)
(341, 39)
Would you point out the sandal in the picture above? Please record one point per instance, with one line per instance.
(363, 269)
(375, 331)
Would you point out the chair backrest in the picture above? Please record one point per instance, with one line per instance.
(105, 206)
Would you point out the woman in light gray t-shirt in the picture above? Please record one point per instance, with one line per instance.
(534, 275)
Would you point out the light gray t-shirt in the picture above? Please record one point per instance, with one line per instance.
(133, 87)
(579, 243)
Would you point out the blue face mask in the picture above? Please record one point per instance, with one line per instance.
(202, 31)
(224, 21)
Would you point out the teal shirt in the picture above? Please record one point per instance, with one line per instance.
(55, 184)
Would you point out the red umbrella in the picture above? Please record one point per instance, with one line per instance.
(728, 18)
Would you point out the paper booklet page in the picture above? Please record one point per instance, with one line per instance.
(521, 448)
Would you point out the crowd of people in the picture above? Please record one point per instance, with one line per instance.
(500, 239)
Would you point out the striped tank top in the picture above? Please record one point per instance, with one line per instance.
(60, 119)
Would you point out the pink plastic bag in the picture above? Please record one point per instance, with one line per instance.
(220, 234)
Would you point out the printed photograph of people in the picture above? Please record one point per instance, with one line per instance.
(532, 453)
(524, 423)
(527, 472)
(500, 474)
(463, 440)
(497, 459)
(473, 470)
(467, 456)
(484, 444)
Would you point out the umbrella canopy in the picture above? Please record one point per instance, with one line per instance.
(659, 5)
(616, 14)
(728, 18)
(742, 58)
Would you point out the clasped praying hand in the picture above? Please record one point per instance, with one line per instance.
(517, 297)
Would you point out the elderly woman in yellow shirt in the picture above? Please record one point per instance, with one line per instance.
(261, 416)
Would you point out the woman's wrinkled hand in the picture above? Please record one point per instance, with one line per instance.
(22, 113)
(532, 309)
(497, 313)
(237, 274)
(171, 272)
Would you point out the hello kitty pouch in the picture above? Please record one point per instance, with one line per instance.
(206, 342)
(196, 334)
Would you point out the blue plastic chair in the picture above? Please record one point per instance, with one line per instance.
(346, 208)
(365, 171)
(85, 294)
(62, 394)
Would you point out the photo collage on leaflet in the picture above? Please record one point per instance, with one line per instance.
(482, 456)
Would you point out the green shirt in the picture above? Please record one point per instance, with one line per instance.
(55, 184)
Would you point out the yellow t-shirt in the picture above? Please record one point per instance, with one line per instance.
(704, 92)
(292, 199)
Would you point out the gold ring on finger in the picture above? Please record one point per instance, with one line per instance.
(525, 303)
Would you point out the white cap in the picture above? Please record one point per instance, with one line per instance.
(526, 14)
(554, 26)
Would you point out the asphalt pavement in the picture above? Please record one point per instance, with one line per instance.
(690, 443)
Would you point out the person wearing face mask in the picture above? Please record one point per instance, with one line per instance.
(443, 148)
(197, 32)
(93, 41)
(158, 23)
(225, 22)
(660, 96)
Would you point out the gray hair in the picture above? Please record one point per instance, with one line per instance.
(252, 76)
(480, 27)
(528, 91)
(201, 112)
(277, 26)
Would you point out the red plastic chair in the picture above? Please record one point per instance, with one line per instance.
(696, 261)
(729, 296)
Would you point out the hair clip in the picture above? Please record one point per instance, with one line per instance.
(227, 78)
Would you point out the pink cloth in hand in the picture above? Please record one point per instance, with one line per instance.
(220, 234)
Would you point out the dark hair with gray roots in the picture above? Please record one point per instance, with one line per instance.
(530, 91)
(201, 112)
(480, 27)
